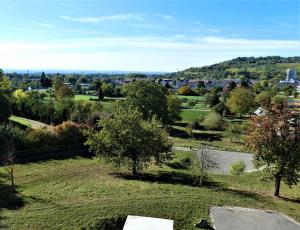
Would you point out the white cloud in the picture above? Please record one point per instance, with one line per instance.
(137, 53)
(46, 25)
(116, 17)
(166, 17)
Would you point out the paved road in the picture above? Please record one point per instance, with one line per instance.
(226, 158)
(229, 218)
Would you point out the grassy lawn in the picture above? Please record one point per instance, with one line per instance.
(189, 115)
(20, 120)
(191, 97)
(69, 194)
(84, 97)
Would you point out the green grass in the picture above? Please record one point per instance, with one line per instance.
(189, 115)
(84, 97)
(70, 193)
(191, 97)
(20, 120)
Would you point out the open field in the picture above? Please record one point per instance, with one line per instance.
(72, 193)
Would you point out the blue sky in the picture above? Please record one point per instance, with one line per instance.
(148, 35)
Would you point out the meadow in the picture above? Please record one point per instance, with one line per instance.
(79, 192)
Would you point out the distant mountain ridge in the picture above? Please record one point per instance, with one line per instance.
(251, 67)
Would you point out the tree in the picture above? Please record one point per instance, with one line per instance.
(7, 137)
(127, 139)
(5, 110)
(107, 89)
(192, 103)
(240, 101)
(263, 98)
(64, 92)
(275, 137)
(83, 110)
(213, 121)
(212, 99)
(233, 131)
(148, 98)
(185, 90)
(5, 84)
(174, 108)
(57, 83)
(189, 131)
(207, 161)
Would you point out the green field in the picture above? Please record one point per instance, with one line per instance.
(72, 193)
(20, 120)
(190, 115)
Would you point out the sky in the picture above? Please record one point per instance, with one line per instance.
(143, 35)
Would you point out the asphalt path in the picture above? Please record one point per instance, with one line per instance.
(225, 159)
(236, 218)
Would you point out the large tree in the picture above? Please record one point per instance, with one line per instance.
(127, 139)
(275, 137)
(174, 108)
(149, 98)
(240, 101)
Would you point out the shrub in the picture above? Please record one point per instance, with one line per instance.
(213, 121)
(237, 168)
(68, 132)
(185, 163)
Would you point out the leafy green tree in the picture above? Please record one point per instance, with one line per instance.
(107, 89)
(82, 110)
(275, 138)
(64, 92)
(233, 131)
(263, 98)
(57, 83)
(127, 139)
(212, 99)
(174, 108)
(148, 98)
(213, 121)
(240, 101)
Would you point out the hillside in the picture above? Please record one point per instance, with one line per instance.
(250, 67)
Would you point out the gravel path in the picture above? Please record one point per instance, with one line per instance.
(226, 158)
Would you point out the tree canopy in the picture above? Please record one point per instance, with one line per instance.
(149, 98)
(127, 139)
(275, 138)
(240, 101)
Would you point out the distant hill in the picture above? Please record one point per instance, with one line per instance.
(250, 67)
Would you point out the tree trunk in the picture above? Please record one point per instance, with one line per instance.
(277, 185)
(134, 168)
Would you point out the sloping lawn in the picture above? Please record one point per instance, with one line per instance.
(21, 121)
(72, 193)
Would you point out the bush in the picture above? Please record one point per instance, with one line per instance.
(185, 163)
(213, 121)
(237, 168)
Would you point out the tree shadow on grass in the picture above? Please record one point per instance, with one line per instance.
(9, 198)
(189, 180)
(198, 136)
(293, 200)
(168, 178)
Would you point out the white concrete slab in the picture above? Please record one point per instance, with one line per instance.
(147, 223)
